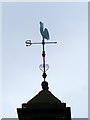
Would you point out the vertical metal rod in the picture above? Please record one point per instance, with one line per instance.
(43, 55)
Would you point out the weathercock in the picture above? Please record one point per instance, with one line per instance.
(44, 32)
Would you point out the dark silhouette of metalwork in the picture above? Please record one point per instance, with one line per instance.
(45, 35)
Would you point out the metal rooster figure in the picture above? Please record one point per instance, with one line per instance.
(45, 35)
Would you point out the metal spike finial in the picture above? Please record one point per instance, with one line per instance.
(43, 67)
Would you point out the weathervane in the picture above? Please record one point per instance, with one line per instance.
(45, 35)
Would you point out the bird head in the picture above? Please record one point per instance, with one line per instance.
(41, 25)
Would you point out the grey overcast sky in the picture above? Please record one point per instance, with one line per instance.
(68, 60)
